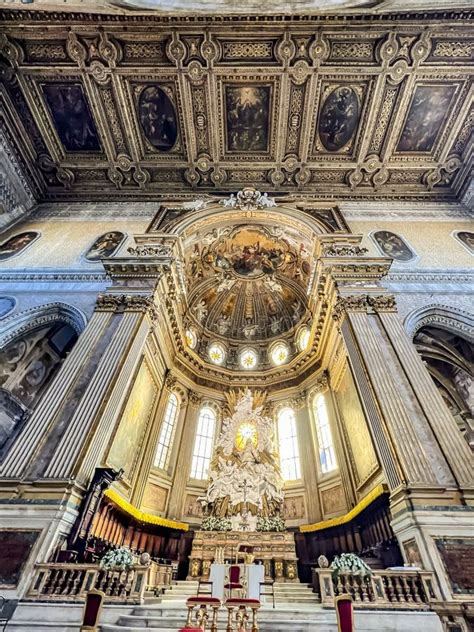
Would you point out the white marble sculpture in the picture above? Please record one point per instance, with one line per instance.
(245, 481)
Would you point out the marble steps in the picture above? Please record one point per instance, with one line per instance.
(170, 619)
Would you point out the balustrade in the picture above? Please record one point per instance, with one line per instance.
(383, 589)
(71, 582)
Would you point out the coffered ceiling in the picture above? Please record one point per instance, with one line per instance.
(106, 106)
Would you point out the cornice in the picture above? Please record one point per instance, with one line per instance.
(432, 276)
(40, 16)
(53, 277)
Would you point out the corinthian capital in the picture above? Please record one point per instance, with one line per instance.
(383, 303)
(126, 302)
(363, 303)
(349, 303)
(194, 399)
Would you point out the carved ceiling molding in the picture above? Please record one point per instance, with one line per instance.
(336, 113)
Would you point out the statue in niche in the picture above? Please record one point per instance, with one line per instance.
(245, 482)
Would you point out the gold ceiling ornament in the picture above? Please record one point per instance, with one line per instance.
(259, 398)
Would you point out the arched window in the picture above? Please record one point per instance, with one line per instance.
(202, 451)
(327, 457)
(163, 450)
(288, 444)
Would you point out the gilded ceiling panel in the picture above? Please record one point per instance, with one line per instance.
(356, 108)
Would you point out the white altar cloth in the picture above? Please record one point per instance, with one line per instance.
(254, 574)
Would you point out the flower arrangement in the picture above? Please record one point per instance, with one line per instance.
(349, 563)
(117, 559)
(214, 523)
(272, 523)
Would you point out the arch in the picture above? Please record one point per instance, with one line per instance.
(444, 337)
(30, 319)
(443, 316)
(196, 219)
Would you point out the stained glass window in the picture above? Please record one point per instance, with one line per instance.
(248, 359)
(216, 353)
(279, 353)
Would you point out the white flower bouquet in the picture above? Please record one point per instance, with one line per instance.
(271, 523)
(349, 563)
(117, 559)
(214, 523)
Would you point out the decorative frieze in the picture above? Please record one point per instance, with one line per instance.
(156, 250)
(335, 250)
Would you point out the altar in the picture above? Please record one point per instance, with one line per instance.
(250, 576)
(243, 501)
(275, 550)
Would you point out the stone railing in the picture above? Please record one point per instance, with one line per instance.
(159, 576)
(71, 582)
(383, 589)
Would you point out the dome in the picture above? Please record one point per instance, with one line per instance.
(247, 284)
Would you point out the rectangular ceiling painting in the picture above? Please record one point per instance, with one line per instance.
(247, 117)
(72, 117)
(428, 109)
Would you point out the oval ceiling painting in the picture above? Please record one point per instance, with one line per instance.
(339, 118)
(158, 118)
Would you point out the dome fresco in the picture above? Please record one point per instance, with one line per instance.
(246, 284)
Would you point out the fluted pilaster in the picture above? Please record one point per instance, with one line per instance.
(39, 425)
(63, 461)
(453, 445)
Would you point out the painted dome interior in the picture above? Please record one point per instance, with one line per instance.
(247, 294)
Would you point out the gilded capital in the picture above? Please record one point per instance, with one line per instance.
(349, 303)
(194, 399)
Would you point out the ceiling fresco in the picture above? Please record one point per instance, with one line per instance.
(102, 107)
(247, 284)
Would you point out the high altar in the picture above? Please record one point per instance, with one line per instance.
(243, 501)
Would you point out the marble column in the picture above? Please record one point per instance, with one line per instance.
(185, 454)
(90, 419)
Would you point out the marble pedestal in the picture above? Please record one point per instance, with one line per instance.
(276, 551)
